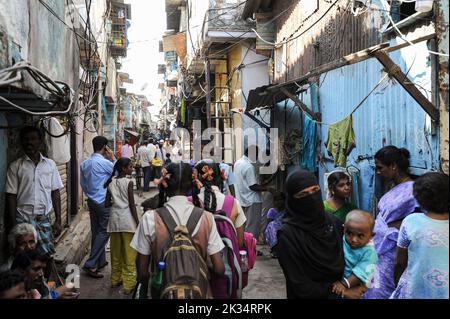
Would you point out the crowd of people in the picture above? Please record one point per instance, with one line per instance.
(197, 237)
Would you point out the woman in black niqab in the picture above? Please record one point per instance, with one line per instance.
(309, 246)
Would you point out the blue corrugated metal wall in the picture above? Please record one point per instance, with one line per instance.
(389, 117)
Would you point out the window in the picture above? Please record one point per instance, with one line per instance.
(404, 14)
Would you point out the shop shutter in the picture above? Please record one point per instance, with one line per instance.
(63, 170)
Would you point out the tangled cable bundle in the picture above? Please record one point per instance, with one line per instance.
(61, 91)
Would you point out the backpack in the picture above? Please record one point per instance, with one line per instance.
(186, 273)
(229, 285)
(250, 246)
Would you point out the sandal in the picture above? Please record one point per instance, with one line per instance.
(103, 266)
(94, 274)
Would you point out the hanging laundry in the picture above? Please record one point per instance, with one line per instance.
(341, 141)
(309, 145)
(183, 112)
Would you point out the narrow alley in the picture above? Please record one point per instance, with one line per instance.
(298, 149)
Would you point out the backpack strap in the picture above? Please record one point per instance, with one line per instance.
(194, 219)
(228, 205)
(167, 219)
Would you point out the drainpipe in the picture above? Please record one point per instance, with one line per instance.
(208, 91)
(99, 109)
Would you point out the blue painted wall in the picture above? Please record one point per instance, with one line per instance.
(389, 117)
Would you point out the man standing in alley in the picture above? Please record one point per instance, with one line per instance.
(248, 191)
(152, 148)
(145, 157)
(95, 171)
(127, 150)
(32, 190)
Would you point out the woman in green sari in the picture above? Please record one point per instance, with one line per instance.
(340, 189)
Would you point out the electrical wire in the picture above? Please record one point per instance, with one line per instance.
(291, 37)
(45, 5)
(43, 80)
(383, 79)
(401, 35)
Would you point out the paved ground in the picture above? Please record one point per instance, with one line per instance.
(266, 280)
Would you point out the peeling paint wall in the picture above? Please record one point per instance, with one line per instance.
(443, 43)
(14, 20)
(36, 36)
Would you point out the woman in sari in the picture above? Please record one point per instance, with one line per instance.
(309, 248)
(340, 189)
(392, 165)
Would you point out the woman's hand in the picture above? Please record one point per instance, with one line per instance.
(355, 293)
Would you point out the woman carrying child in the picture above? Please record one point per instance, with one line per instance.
(122, 225)
(310, 241)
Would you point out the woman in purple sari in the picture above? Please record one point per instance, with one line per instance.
(392, 165)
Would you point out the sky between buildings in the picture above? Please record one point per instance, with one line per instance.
(147, 27)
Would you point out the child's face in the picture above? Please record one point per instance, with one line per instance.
(358, 233)
(343, 188)
(17, 292)
(129, 169)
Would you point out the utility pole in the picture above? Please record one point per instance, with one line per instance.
(208, 91)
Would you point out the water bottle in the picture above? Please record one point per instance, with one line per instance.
(244, 260)
(157, 280)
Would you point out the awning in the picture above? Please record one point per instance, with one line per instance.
(268, 95)
(132, 137)
(262, 97)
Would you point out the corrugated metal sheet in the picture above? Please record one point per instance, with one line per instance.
(63, 172)
(3, 170)
(334, 34)
(389, 117)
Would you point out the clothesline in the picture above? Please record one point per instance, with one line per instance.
(384, 78)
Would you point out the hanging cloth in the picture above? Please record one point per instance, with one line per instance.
(341, 141)
(309, 145)
(183, 112)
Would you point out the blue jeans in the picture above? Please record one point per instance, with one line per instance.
(147, 177)
(99, 222)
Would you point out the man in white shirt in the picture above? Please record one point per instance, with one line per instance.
(248, 191)
(152, 148)
(167, 148)
(32, 190)
(145, 158)
(127, 150)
